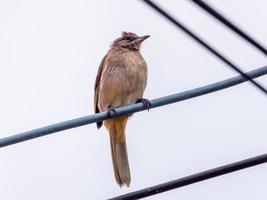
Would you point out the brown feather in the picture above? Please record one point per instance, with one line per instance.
(97, 82)
(118, 146)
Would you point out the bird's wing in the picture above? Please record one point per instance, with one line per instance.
(96, 94)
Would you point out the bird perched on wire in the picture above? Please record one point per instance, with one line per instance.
(121, 80)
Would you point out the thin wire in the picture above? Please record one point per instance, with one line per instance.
(181, 182)
(203, 43)
(230, 25)
(130, 109)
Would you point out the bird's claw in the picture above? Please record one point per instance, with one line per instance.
(110, 110)
(146, 103)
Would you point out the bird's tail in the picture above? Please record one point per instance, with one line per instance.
(116, 127)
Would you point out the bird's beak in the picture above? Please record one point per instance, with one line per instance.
(142, 38)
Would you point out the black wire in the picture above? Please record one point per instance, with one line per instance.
(193, 178)
(181, 96)
(229, 24)
(203, 43)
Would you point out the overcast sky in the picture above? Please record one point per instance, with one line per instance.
(49, 54)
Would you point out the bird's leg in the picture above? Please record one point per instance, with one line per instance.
(146, 103)
(110, 110)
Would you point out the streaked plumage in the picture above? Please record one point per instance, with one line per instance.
(120, 81)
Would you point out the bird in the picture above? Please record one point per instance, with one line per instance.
(121, 80)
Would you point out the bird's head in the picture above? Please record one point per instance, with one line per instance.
(130, 41)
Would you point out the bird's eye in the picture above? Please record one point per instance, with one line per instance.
(129, 39)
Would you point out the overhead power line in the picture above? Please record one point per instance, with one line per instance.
(131, 108)
(181, 182)
(229, 24)
(202, 42)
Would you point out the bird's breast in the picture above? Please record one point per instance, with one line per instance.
(123, 80)
(134, 62)
(135, 70)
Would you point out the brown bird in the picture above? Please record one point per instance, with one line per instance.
(121, 80)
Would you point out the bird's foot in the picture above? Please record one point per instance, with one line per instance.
(110, 110)
(146, 103)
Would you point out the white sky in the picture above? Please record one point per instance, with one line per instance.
(49, 54)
